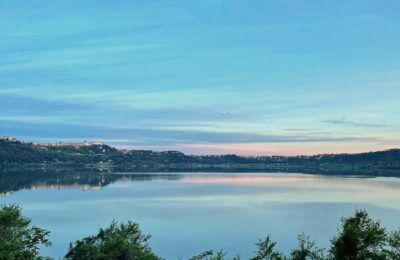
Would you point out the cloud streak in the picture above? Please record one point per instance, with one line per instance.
(13, 105)
(153, 136)
(212, 72)
(349, 123)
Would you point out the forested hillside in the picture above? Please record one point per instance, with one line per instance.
(16, 153)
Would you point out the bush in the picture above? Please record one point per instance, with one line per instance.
(359, 238)
(266, 250)
(18, 239)
(118, 241)
(307, 249)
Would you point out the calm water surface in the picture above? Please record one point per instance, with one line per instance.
(187, 213)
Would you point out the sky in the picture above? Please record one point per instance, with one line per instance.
(250, 77)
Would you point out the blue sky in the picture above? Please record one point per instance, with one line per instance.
(210, 76)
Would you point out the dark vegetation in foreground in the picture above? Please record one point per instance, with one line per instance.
(106, 158)
(358, 238)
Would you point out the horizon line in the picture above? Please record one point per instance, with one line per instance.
(90, 142)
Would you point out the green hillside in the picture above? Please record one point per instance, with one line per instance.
(17, 153)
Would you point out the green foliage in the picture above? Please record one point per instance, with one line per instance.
(266, 250)
(18, 239)
(16, 153)
(392, 251)
(360, 238)
(210, 255)
(118, 241)
(203, 255)
(307, 250)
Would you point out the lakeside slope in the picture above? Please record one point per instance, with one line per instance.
(14, 153)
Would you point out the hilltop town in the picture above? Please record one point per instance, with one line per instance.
(56, 144)
(96, 154)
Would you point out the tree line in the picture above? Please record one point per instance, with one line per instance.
(359, 238)
(106, 157)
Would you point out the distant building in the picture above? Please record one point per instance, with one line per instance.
(8, 138)
(95, 142)
(57, 144)
(71, 144)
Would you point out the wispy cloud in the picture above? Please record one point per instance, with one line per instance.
(154, 136)
(354, 124)
(14, 105)
(177, 72)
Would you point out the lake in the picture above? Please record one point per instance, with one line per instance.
(187, 213)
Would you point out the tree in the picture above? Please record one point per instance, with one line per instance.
(203, 255)
(392, 251)
(118, 241)
(210, 255)
(307, 250)
(18, 239)
(360, 238)
(266, 250)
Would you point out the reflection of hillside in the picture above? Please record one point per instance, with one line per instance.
(12, 181)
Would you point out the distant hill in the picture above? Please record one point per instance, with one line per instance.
(14, 153)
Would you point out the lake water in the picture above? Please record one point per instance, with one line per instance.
(187, 213)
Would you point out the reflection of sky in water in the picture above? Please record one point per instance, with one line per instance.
(197, 212)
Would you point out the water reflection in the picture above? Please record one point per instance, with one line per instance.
(187, 213)
(12, 181)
